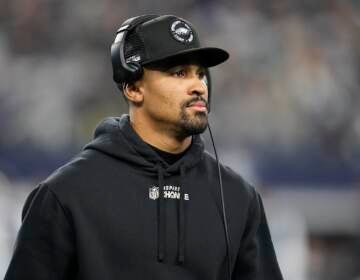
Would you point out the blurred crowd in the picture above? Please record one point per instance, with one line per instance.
(289, 92)
(284, 109)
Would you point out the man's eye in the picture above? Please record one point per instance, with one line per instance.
(179, 73)
(201, 75)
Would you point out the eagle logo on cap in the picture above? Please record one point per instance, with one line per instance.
(182, 32)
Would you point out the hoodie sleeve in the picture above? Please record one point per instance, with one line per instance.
(256, 258)
(44, 247)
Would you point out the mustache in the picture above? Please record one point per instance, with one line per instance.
(196, 99)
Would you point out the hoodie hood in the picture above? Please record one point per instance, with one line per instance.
(115, 137)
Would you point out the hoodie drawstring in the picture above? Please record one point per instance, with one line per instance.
(181, 218)
(161, 217)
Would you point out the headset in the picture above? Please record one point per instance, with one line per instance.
(131, 71)
(122, 70)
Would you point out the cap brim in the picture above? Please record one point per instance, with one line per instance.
(206, 57)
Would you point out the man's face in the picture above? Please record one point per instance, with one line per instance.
(176, 98)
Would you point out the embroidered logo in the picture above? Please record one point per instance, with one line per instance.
(172, 192)
(133, 58)
(182, 32)
(154, 193)
(169, 192)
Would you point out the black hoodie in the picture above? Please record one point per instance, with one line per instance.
(119, 211)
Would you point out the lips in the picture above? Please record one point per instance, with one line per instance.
(197, 104)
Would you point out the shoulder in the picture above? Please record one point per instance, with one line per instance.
(232, 181)
(240, 197)
(77, 176)
(74, 169)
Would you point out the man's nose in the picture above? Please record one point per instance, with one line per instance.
(198, 86)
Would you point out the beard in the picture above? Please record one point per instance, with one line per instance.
(189, 124)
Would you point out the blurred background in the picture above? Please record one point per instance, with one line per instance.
(285, 109)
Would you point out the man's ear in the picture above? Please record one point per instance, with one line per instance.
(134, 92)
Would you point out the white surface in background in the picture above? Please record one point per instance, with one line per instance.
(288, 230)
(11, 202)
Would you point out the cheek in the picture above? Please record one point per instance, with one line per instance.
(161, 104)
(163, 100)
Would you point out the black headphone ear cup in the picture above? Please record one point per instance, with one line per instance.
(137, 71)
(133, 71)
(118, 75)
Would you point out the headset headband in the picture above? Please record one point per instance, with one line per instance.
(123, 71)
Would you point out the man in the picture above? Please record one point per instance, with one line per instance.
(143, 200)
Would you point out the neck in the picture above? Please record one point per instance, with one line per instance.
(160, 137)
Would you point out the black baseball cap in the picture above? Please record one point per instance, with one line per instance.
(169, 40)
